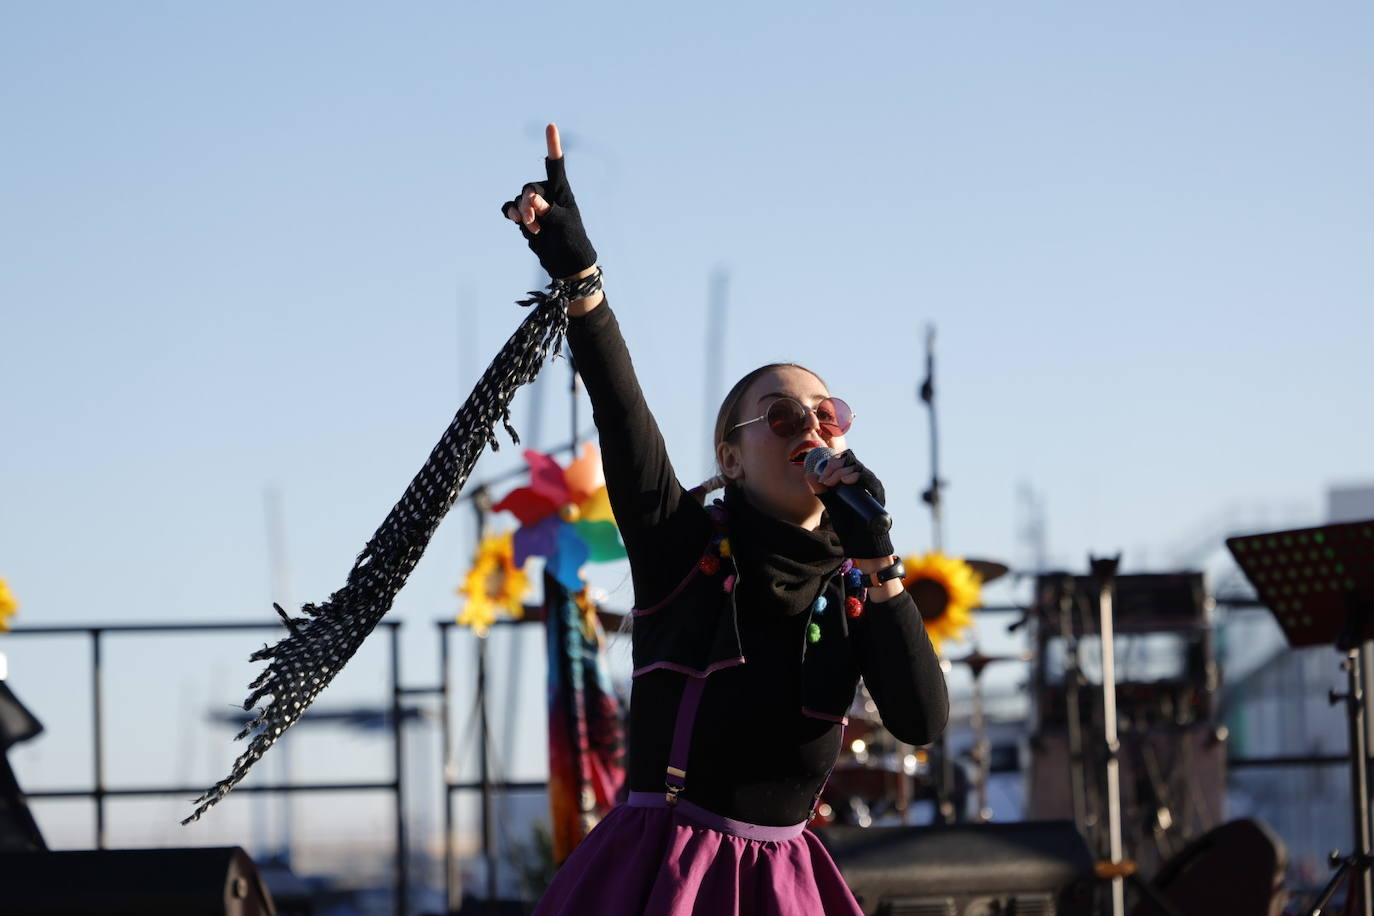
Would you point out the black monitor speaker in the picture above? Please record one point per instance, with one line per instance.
(1237, 869)
(1033, 868)
(133, 882)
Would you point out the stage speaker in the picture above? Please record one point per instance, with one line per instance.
(1173, 787)
(1034, 868)
(133, 882)
(1237, 869)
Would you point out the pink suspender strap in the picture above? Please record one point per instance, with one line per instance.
(682, 737)
(816, 799)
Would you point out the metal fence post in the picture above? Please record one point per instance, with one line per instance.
(97, 740)
(398, 762)
(446, 752)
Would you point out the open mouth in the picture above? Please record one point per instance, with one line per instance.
(798, 456)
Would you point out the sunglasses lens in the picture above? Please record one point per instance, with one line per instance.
(834, 417)
(786, 417)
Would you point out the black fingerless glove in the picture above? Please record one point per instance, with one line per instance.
(860, 539)
(561, 245)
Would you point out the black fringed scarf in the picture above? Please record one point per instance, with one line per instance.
(325, 638)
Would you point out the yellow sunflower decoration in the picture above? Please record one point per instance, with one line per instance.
(945, 589)
(493, 584)
(8, 606)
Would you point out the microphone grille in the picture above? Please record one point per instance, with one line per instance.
(817, 457)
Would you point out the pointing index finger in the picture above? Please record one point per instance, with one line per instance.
(554, 143)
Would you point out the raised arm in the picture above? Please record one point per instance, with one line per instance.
(656, 518)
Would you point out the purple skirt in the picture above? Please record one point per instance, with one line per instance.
(648, 858)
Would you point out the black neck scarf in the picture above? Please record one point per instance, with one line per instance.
(779, 562)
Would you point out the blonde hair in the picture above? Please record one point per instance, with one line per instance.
(728, 416)
(707, 486)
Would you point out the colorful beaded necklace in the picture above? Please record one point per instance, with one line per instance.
(719, 558)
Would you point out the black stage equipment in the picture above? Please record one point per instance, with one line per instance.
(133, 882)
(1319, 584)
(1173, 781)
(1170, 757)
(1237, 869)
(18, 830)
(1145, 602)
(16, 722)
(1041, 868)
(1169, 608)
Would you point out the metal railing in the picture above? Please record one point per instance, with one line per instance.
(99, 790)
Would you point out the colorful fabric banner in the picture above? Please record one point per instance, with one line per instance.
(586, 731)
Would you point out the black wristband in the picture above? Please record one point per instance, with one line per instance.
(566, 290)
(886, 574)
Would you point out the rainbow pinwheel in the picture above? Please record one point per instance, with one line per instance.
(565, 516)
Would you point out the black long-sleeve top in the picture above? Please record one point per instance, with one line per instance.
(755, 756)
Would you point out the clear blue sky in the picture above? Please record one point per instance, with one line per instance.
(244, 246)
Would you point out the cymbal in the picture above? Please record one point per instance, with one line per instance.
(988, 570)
(977, 661)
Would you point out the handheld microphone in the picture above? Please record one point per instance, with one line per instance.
(854, 496)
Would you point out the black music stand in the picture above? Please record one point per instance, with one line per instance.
(1319, 583)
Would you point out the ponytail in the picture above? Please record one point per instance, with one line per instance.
(710, 485)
